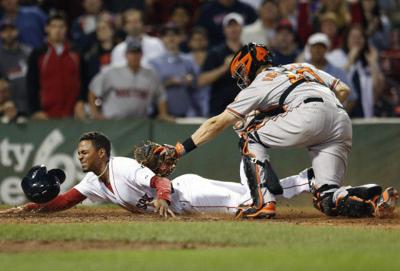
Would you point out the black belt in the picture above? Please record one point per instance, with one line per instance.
(313, 99)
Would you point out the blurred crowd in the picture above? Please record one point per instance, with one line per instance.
(114, 59)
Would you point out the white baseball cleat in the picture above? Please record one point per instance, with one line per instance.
(386, 203)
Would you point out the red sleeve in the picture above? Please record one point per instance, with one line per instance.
(304, 27)
(62, 202)
(162, 186)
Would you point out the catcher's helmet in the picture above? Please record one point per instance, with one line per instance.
(247, 61)
(40, 185)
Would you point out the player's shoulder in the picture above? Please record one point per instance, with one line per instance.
(89, 178)
(299, 65)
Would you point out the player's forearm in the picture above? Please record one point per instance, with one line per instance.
(60, 203)
(211, 128)
(209, 77)
(342, 92)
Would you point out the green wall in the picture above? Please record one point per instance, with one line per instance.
(375, 156)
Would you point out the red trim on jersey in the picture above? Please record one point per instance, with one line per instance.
(108, 185)
(62, 202)
(162, 186)
(235, 113)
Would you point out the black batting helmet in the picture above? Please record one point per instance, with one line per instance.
(247, 61)
(40, 185)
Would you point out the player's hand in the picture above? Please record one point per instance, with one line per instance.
(161, 207)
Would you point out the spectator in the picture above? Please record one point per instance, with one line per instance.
(376, 25)
(133, 26)
(319, 45)
(177, 72)
(364, 73)
(286, 48)
(329, 25)
(84, 27)
(212, 14)
(99, 55)
(263, 30)
(338, 8)
(8, 111)
(215, 70)
(181, 17)
(288, 10)
(198, 44)
(54, 75)
(128, 90)
(13, 65)
(30, 22)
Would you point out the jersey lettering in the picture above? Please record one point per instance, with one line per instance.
(143, 201)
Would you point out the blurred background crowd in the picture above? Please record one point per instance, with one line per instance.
(113, 59)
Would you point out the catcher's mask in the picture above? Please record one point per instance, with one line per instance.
(40, 185)
(162, 164)
(247, 61)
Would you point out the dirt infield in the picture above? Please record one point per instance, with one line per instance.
(298, 216)
(306, 216)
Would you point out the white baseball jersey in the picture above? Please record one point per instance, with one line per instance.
(130, 183)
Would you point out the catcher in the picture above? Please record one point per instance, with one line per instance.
(137, 185)
(295, 105)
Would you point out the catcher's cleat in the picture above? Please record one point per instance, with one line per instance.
(386, 203)
(266, 212)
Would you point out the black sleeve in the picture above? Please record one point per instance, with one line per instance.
(33, 80)
(212, 61)
(83, 77)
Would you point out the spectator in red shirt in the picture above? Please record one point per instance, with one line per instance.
(54, 74)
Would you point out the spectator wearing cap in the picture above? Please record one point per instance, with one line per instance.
(128, 90)
(286, 48)
(318, 44)
(54, 75)
(212, 14)
(30, 22)
(14, 66)
(215, 71)
(178, 74)
(263, 30)
(133, 26)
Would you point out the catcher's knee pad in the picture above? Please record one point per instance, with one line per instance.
(323, 199)
(357, 201)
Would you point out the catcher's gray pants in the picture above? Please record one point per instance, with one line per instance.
(322, 127)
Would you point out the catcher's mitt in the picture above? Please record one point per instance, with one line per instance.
(161, 159)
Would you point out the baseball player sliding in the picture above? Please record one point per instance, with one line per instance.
(285, 107)
(131, 184)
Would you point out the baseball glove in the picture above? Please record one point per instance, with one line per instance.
(161, 159)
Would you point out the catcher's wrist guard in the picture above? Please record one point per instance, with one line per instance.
(186, 147)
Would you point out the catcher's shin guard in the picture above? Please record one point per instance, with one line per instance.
(323, 199)
(253, 180)
(272, 180)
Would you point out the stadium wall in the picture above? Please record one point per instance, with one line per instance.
(375, 156)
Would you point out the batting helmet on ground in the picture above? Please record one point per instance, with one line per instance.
(40, 185)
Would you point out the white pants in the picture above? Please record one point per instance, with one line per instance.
(194, 193)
